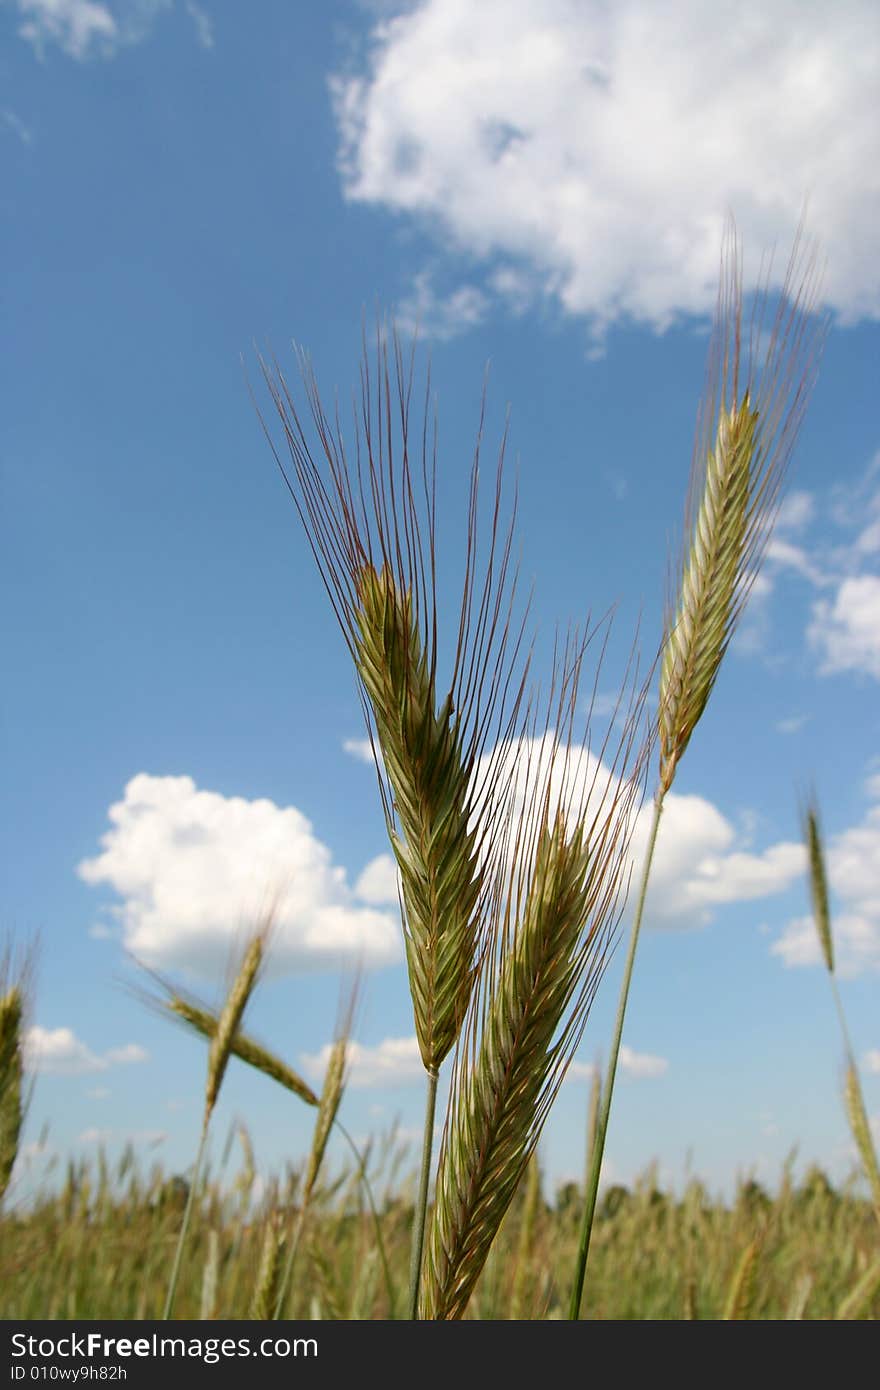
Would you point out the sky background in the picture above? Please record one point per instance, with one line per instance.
(542, 185)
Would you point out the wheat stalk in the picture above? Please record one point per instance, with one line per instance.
(220, 1050)
(11, 1077)
(328, 1106)
(203, 1020)
(854, 1100)
(747, 424)
(553, 920)
(15, 982)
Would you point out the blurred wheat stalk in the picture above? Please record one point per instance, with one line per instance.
(16, 973)
(854, 1100)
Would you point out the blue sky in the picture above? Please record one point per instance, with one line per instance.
(542, 185)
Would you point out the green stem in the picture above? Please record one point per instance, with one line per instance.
(181, 1239)
(295, 1236)
(421, 1210)
(389, 1284)
(608, 1089)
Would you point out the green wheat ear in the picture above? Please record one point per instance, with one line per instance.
(436, 848)
(699, 637)
(370, 521)
(556, 907)
(748, 422)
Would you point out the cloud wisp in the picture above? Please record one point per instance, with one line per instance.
(59, 1052)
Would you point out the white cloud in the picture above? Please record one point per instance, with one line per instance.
(379, 881)
(698, 865)
(846, 631)
(124, 1056)
(594, 149)
(580, 1071)
(193, 866)
(783, 553)
(60, 1052)
(442, 316)
(871, 1061)
(361, 749)
(642, 1064)
(86, 28)
(796, 511)
(853, 867)
(393, 1062)
(99, 1093)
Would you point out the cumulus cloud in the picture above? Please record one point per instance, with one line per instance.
(846, 630)
(393, 1062)
(86, 28)
(588, 152)
(699, 864)
(853, 866)
(60, 1052)
(193, 867)
(642, 1064)
(379, 881)
(359, 748)
(871, 1061)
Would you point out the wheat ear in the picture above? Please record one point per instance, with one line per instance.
(371, 525)
(741, 1293)
(749, 417)
(861, 1132)
(265, 1294)
(554, 915)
